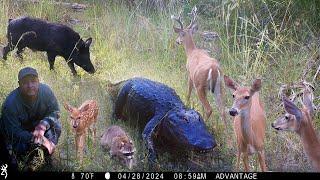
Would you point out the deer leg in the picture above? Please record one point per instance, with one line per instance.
(80, 146)
(205, 103)
(246, 161)
(77, 146)
(93, 130)
(262, 161)
(238, 160)
(190, 86)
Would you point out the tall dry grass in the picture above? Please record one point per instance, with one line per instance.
(136, 41)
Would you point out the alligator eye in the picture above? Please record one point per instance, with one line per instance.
(186, 119)
(247, 97)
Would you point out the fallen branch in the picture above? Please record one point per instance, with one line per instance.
(74, 6)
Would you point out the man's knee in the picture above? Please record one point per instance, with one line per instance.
(53, 134)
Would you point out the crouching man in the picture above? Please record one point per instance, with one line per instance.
(30, 121)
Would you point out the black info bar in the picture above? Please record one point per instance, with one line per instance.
(157, 175)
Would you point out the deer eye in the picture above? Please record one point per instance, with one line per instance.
(286, 117)
(247, 97)
(233, 95)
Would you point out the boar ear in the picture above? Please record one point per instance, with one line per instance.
(68, 107)
(88, 42)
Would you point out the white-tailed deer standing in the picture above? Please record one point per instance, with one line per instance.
(249, 122)
(81, 120)
(204, 72)
(299, 120)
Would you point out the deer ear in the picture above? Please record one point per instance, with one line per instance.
(291, 108)
(68, 107)
(308, 101)
(256, 86)
(85, 108)
(230, 83)
(194, 28)
(176, 30)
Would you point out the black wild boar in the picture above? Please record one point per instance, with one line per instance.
(55, 39)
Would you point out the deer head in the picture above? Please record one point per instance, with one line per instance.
(291, 120)
(185, 33)
(293, 117)
(75, 114)
(241, 95)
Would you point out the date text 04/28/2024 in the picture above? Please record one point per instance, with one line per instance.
(185, 175)
(149, 175)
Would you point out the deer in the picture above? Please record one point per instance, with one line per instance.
(82, 119)
(299, 120)
(204, 72)
(249, 121)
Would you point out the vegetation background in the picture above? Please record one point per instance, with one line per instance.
(275, 40)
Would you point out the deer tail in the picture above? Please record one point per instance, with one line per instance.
(219, 96)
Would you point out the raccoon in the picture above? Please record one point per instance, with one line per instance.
(119, 144)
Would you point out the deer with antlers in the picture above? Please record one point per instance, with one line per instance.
(249, 121)
(81, 120)
(204, 72)
(299, 120)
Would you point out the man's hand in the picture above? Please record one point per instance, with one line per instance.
(48, 144)
(39, 138)
(39, 131)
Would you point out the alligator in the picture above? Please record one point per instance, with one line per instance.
(163, 118)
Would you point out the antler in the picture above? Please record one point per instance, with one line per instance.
(178, 19)
(307, 90)
(293, 95)
(193, 15)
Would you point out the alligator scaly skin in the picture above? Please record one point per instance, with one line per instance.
(149, 101)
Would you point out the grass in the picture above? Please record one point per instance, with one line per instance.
(129, 43)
